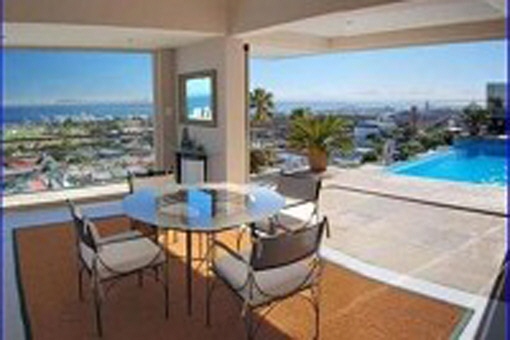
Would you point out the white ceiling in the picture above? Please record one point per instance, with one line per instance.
(398, 16)
(311, 35)
(79, 36)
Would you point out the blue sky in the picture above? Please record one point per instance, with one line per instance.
(440, 72)
(33, 77)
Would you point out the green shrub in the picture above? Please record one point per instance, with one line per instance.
(410, 149)
(370, 156)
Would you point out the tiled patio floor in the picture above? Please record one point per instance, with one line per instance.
(451, 247)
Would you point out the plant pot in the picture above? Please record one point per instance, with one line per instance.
(318, 159)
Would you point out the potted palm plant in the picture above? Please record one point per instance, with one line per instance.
(318, 136)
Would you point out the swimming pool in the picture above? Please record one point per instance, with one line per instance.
(475, 161)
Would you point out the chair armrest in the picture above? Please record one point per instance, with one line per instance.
(297, 204)
(266, 184)
(230, 251)
(103, 241)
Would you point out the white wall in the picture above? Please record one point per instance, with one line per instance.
(165, 107)
(225, 143)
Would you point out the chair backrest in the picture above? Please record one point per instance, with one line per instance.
(85, 231)
(151, 179)
(301, 186)
(270, 252)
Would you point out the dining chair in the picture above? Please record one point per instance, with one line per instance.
(301, 192)
(277, 267)
(108, 259)
(152, 179)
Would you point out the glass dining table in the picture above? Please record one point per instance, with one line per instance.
(207, 208)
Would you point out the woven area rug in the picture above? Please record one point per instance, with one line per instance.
(352, 306)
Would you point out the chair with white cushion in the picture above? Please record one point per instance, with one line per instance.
(153, 179)
(107, 259)
(301, 192)
(277, 267)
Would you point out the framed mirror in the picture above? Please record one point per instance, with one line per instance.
(197, 98)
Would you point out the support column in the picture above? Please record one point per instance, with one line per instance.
(165, 108)
(225, 144)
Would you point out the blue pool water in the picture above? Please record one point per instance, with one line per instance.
(474, 161)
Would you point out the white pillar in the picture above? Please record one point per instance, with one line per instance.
(226, 143)
(165, 115)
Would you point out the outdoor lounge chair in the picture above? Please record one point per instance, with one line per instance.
(109, 259)
(277, 267)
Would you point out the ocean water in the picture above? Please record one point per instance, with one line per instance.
(47, 113)
(60, 112)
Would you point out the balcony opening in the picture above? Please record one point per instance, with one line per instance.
(75, 118)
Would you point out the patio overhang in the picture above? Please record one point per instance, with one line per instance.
(392, 24)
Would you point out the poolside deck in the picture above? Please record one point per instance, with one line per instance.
(447, 233)
(375, 180)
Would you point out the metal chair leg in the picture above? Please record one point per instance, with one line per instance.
(167, 290)
(80, 283)
(315, 290)
(208, 293)
(208, 282)
(248, 324)
(165, 273)
(97, 306)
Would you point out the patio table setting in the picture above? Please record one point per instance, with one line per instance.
(207, 208)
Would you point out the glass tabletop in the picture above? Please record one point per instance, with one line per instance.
(206, 207)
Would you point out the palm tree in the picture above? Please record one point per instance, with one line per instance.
(318, 135)
(262, 101)
(300, 112)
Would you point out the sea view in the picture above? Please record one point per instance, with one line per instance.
(16, 114)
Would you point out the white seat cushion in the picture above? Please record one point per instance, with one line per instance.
(275, 282)
(124, 256)
(302, 211)
(292, 218)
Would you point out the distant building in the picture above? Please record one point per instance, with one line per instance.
(363, 130)
(496, 104)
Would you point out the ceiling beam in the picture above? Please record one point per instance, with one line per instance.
(259, 16)
(484, 30)
(290, 41)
